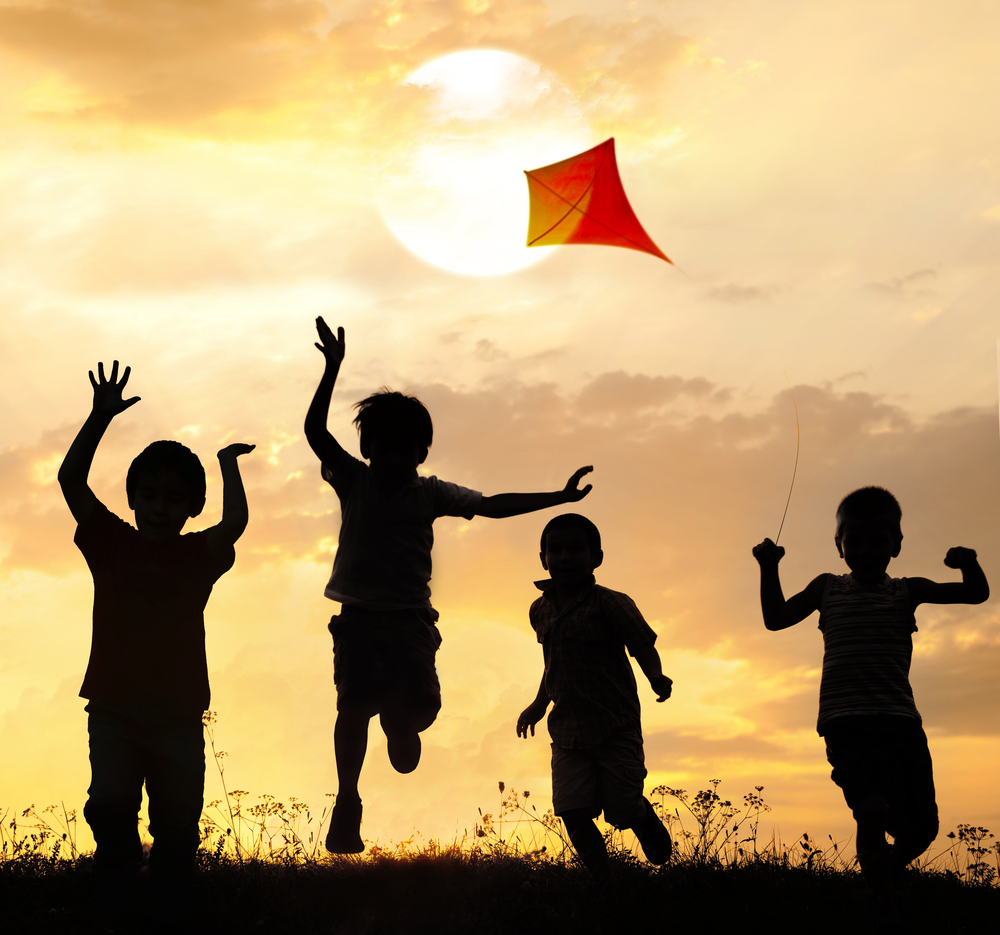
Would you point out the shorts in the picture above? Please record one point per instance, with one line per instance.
(887, 756)
(385, 659)
(607, 777)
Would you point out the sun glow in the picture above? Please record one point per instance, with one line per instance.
(458, 198)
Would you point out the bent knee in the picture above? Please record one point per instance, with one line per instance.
(576, 818)
(409, 715)
(873, 808)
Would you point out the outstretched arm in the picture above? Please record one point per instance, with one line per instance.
(235, 515)
(514, 504)
(972, 589)
(75, 469)
(532, 714)
(649, 661)
(780, 614)
(325, 446)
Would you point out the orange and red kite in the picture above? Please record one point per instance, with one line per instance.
(581, 200)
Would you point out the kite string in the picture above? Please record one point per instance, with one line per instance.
(798, 438)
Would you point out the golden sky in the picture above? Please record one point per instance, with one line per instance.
(186, 185)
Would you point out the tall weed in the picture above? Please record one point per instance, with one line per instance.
(706, 828)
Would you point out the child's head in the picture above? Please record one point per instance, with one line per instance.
(388, 419)
(570, 546)
(165, 486)
(869, 534)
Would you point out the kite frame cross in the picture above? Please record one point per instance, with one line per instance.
(575, 206)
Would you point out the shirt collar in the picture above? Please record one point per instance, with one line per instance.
(546, 584)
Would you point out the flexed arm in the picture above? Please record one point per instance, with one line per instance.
(514, 504)
(972, 589)
(75, 469)
(325, 446)
(235, 513)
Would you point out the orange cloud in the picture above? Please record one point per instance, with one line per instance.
(303, 67)
(684, 485)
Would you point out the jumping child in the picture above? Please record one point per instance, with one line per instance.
(385, 638)
(598, 762)
(874, 739)
(147, 679)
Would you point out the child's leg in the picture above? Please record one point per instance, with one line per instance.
(874, 854)
(175, 783)
(653, 836)
(913, 814)
(350, 744)
(588, 843)
(404, 715)
(621, 767)
(115, 792)
(350, 739)
(576, 801)
(860, 749)
(414, 703)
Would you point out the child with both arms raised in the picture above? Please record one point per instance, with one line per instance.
(874, 738)
(597, 755)
(385, 639)
(147, 679)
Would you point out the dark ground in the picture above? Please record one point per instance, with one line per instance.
(461, 894)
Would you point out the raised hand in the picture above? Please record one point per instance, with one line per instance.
(571, 492)
(332, 348)
(767, 553)
(235, 450)
(108, 392)
(959, 557)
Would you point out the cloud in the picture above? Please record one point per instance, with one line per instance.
(36, 528)
(685, 483)
(166, 61)
(303, 65)
(737, 294)
(916, 283)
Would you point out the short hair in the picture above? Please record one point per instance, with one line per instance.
(395, 416)
(574, 521)
(871, 503)
(164, 456)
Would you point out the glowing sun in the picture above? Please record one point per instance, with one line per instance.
(457, 197)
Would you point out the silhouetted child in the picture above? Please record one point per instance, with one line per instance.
(873, 733)
(385, 638)
(147, 679)
(597, 757)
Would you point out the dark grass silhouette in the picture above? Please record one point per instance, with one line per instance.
(514, 872)
(453, 891)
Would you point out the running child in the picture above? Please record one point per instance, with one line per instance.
(598, 762)
(385, 638)
(874, 738)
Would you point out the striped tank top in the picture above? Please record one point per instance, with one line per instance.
(868, 643)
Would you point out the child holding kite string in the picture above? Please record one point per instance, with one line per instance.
(385, 638)
(874, 738)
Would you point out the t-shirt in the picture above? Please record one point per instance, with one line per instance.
(587, 674)
(148, 642)
(383, 558)
(868, 643)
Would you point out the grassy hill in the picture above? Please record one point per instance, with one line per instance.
(262, 869)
